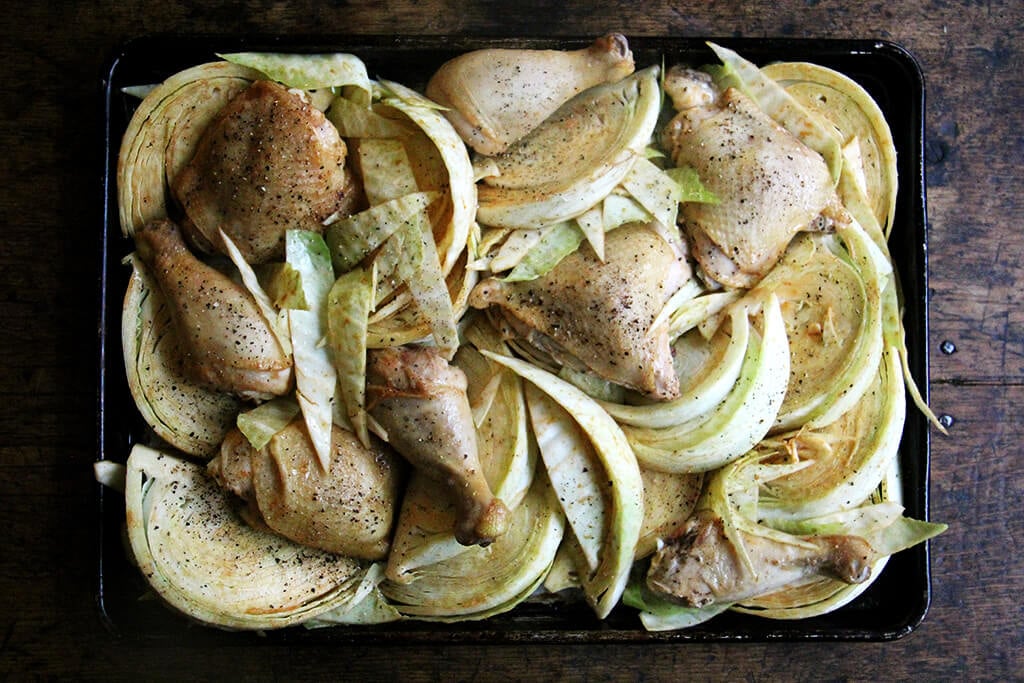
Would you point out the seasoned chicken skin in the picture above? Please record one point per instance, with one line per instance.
(770, 185)
(349, 509)
(269, 162)
(496, 96)
(596, 315)
(226, 343)
(701, 565)
(420, 400)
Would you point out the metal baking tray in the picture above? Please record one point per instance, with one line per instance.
(891, 608)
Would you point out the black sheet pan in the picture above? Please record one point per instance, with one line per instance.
(891, 608)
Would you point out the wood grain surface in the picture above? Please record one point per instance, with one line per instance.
(52, 56)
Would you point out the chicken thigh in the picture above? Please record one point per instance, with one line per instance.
(596, 315)
(769, 184)
(227, 344)
(349, 510)
(269, 162)
(420, 400)
(496, 96)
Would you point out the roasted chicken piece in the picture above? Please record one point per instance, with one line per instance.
(269, 162)
(701, 565)
(420, 400)
(226, 343)
(349, 509)
(770, 185)
(496, 96)
(596, 315)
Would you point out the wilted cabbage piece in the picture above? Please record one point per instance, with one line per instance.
(199, 556)
(306, 71)
(424, 533)
(316, 376)
(348, 308)
(397, 322)
(621, 487)
(368, 605)
(576, 475)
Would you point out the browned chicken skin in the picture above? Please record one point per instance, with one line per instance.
(269, 162)
(420, 400)
(349, 510)
(770, 185)
(701, 566)
(226, 342)
(596, 315)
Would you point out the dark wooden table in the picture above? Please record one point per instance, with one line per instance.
(52, 54)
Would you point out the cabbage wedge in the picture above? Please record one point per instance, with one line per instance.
(348, 309)
(669, 499)
(200, 557)
(424, 534)
(850, 457)
(739, 421)
(483, 581)
(306, 71)
(316, 378)
(622, 497)
(367, 606)
(575, 474)
(832, 308)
